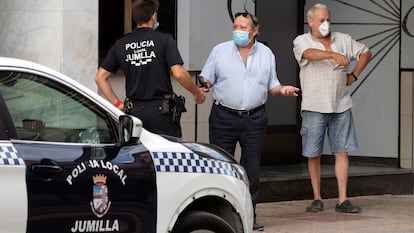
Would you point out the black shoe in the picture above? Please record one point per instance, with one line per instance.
(347, 207)
(316, 206)
(258, 227)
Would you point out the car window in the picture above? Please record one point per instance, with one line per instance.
(44, 110)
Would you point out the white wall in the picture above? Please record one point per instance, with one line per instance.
(60, 34)
(407, 35)
(202, 24)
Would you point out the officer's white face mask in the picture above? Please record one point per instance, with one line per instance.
(324, 28)
(156, 25)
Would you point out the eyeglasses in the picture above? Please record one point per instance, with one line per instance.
(248, 15)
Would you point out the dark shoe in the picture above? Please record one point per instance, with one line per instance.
(347, 207)
(316, 206)
(258, 227)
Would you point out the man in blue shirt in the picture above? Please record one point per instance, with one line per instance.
(243, 73)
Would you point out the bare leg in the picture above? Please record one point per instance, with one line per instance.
(341, 172)
(314, 167)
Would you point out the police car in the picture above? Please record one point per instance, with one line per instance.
(72, 162)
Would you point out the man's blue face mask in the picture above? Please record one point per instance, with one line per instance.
(241, 38)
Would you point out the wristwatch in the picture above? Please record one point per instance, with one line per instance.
(353, 75)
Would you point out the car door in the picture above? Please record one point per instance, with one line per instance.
(13, 201)
(78, 177)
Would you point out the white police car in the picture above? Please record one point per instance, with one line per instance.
(71, 162)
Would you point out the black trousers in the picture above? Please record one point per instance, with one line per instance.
(226, 129)
(155, 121)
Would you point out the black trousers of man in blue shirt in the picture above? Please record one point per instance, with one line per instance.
(226, 129)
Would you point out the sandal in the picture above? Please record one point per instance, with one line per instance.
(316, 206)
(347, 207)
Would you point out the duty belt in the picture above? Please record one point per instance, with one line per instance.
(131, 103)
(156, 102)
(239, 113)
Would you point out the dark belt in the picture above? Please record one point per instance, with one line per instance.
(131, 103)
(239, 113)
(156, 102)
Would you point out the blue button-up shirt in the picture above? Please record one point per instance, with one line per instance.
(240, 86)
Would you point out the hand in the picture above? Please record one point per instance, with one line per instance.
(199, 98)
(289, 90)
(350, 79)
(204, 89)
(203, 84)
(121, 107)
(340, 59)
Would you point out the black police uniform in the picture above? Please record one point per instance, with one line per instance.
(145, 56)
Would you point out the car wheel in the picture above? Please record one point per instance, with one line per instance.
(201, 221)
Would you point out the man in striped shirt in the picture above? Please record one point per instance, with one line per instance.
(324, 58)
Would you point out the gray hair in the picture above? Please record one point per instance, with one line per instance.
(314, 7)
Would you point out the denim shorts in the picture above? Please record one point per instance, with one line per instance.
(339, 128)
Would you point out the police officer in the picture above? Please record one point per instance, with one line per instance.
(146, 57)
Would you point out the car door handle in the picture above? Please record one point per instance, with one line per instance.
(47, 169)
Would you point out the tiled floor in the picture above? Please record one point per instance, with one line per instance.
(380, 214)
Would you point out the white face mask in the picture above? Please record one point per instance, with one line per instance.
(324, 28)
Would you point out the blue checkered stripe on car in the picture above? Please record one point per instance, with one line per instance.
(9, 156)
(191, 163)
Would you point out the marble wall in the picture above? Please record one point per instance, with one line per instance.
(62, 35)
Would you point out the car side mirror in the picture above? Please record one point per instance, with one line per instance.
(130, 129)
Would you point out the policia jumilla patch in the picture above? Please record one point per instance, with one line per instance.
(9, 156)
(191, 163)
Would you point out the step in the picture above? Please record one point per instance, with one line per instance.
(292, 182)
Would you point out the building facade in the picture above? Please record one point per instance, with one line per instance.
(73, 36)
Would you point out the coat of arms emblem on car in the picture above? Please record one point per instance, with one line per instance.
(100, 204)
